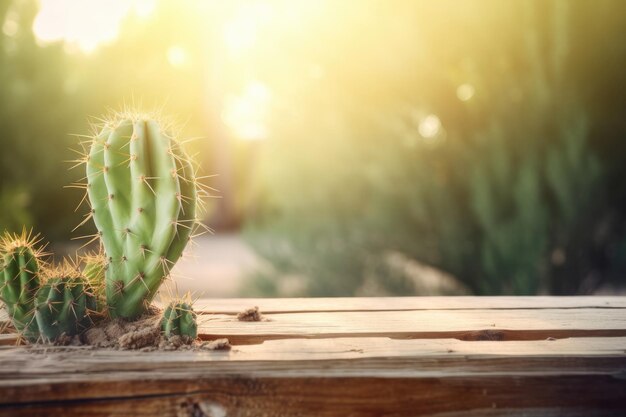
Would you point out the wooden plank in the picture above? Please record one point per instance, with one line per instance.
(328, 377)
(331, 304)
(82, 374)
(473, 324)
(438, 355)
(289, 305)
(357, 357)
(577, 395)
(525, 324)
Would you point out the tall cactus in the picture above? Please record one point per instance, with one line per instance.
(19, 280)
(63, 304)
(142, 191)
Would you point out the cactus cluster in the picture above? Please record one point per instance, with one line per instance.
(43, 303)
(144, 196)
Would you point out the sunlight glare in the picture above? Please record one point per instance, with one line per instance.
(84, 23)
(177, 56)
(241, 31)
(246, 114)
(316, 72)
(144, 8)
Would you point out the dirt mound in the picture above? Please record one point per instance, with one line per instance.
(143, 334)
(250, 314)
(122, 334)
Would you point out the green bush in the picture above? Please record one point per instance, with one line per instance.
(510, 197)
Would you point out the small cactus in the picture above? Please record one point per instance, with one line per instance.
(19, 280)
(63, 303)
(179, 319)
(94, 267)
(143, 194)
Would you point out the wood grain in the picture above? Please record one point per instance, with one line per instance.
(376, 357)
(443, 356)
(330, 304)
(473, 324)
(351, 396)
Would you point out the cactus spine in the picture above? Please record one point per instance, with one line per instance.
(19, 280)
(63, 304)
(142, 191)
(179, 319)
(94, 267)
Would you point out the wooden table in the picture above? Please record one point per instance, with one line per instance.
(444, 356)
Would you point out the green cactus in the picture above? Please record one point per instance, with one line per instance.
(19, 280)
(94, 267)
(179, 319)
(63, 304)
(142, 191)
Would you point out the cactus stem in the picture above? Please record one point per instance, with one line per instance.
(138, 150)
(9, 241)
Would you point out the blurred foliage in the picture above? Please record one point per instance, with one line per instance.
(52, 94)
(34, 105)
(519, 191)
(14, 213)
(480, 137)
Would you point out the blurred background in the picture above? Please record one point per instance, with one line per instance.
(362, 147)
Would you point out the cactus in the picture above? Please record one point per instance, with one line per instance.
(19, 280)
(142, 191)
(94, 267)
(63, 303)
(179, 319)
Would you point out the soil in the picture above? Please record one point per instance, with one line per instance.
(125, 335)
(250, 314)
(143, 334)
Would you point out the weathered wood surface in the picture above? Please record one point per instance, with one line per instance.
(444, 356)
(289, 305)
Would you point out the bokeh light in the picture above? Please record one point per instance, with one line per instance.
(347, 130)
(86, 23)
(465, 92)
(247, 113)
(240, 31)
(177, 56)
(430, 126)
